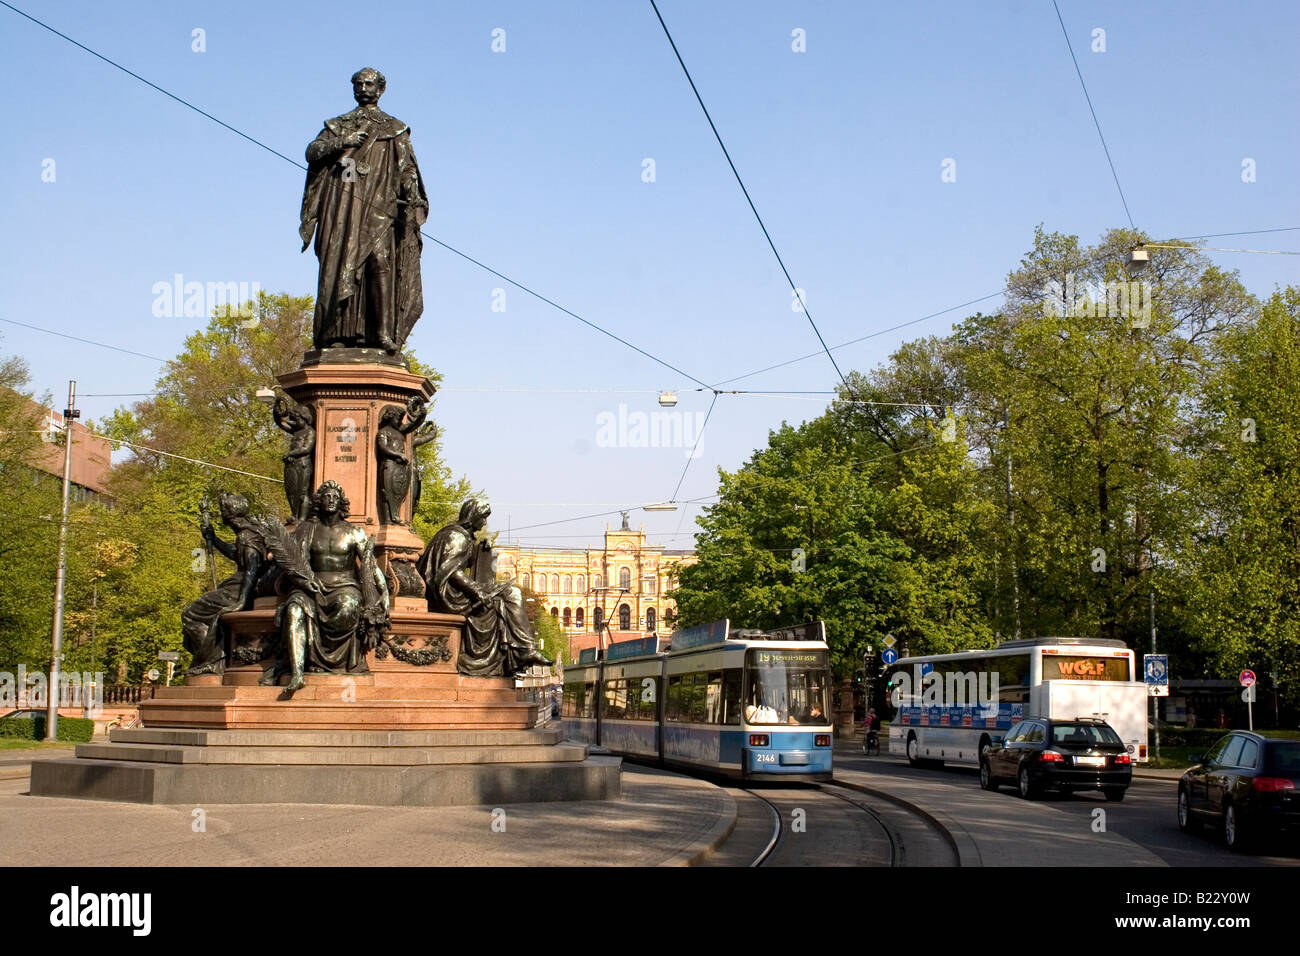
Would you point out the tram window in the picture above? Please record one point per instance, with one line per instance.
(673, 705)
(713, 698)
(731, 696)
(615, 699)
(589, 700)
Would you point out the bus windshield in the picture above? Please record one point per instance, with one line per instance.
(787, 686)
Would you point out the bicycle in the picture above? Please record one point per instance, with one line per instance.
(871, 743)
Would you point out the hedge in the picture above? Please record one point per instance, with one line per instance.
(77, 730)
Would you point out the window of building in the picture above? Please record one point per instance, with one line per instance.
(526, 581)
(624, 618)
(555, 612)
(649, 619)
(568, 584)
(568, 617)
(597, 619)
(624, 578)
(580, 585)
(578, 617)
(555, 584)
(597, 581)
(650, 585)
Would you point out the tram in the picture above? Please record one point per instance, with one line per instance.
(744, 703)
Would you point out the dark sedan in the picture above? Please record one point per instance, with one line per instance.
(1248, 783)
(1041, 753)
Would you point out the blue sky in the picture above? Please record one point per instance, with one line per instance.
(533, 161)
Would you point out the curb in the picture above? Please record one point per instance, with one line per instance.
(718, 834)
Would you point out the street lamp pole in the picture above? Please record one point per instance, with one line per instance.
(70, 414)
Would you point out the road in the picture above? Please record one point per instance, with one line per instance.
(1140, 831)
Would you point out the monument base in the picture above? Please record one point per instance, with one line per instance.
(402, 768)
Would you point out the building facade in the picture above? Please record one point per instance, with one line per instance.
(625, 584)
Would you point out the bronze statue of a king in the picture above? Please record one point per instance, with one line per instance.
(365, 202)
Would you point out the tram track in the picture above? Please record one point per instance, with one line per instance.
(810, 825)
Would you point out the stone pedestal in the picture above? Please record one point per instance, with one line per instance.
(348, 398)
(408, 730)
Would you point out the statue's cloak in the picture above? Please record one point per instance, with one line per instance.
(496, 637)
(357, 203)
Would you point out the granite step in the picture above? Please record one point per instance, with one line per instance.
(182, 737)
(331, 756)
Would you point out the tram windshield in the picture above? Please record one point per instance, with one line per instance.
(787, 686)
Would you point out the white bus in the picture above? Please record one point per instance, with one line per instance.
(947, 708)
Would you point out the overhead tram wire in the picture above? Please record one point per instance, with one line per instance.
(872, 335)
(77, 338)
(294, 162)
(752, 207)
(1095, 121)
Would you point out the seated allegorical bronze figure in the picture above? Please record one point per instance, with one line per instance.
(201, 621)
(337, 605)
(459, 579)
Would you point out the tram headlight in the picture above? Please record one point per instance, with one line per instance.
(758, 740)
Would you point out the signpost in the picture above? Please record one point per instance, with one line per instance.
(1155, 669)
(1247, 679)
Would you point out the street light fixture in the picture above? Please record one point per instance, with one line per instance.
(266, 395)
(667, 398)
(662, 506)
(1138, 259)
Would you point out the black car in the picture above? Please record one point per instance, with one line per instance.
(1042, 753)
(1248, 783)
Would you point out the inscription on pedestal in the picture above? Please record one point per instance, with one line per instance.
(345, 450)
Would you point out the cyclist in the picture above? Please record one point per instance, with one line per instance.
(871, 732)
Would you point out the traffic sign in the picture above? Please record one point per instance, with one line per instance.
(889, 656)
(153, 673)
(1248, 695)
(1157, 690)
(889, 640)
(169, 655)
(1247, 678)
(1156, 667)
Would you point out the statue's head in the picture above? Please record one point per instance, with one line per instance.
(368, 84)
(391, 415)
(329, 499)
(233, 507)
(474, 512)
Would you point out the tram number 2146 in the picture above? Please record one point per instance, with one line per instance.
(765, 758)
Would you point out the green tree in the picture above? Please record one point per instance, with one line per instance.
(1242, 554)
(29, 523)
(1098, 392)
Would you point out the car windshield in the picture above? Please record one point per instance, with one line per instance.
(1284, 757)
(1083, 735)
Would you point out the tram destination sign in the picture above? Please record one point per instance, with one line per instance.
(639, 647)
(702, 635)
